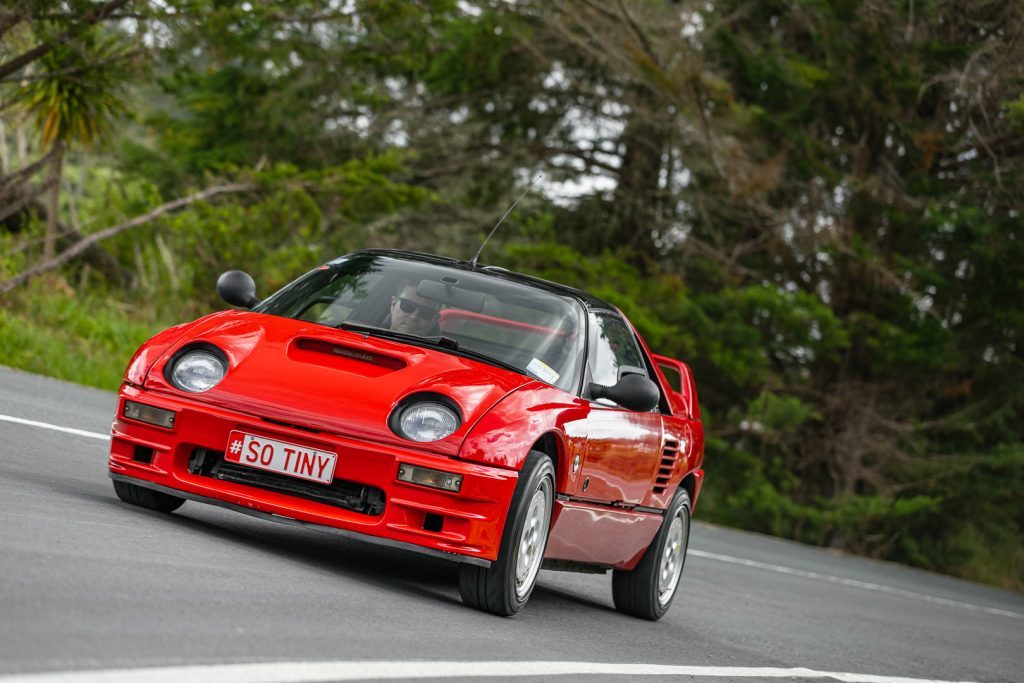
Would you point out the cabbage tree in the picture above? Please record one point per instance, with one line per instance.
(76, 97)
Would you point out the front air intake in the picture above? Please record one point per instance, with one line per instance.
(350, 495)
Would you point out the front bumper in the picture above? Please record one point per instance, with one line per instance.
(464, 526)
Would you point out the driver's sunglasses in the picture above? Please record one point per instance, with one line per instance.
(422, 311)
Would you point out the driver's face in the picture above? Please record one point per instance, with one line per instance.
(411, 313)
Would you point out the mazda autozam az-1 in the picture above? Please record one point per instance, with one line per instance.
(460, 410)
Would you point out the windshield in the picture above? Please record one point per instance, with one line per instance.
(474, 314)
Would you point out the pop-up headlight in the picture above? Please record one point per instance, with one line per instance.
(427, 421)
(198, 370)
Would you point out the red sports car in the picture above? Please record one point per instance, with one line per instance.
(462, 411)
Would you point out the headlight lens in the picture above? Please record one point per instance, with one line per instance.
(198, 371)
(427, 421)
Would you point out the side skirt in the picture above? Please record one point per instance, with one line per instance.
(577, 567)
(611, 506)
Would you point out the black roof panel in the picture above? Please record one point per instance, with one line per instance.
(586, 298)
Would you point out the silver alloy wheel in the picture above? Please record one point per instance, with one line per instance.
(672, 561)
(532, 540)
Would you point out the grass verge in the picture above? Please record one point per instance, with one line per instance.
(50, 330)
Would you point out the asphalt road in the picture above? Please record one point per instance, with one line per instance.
(88, 583)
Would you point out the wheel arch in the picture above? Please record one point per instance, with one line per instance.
(534, 417)
(691, 483)
(553, 444)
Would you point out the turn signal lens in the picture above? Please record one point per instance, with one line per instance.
(437, 479)
(149, 414)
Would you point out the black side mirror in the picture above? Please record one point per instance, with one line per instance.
(237, 288)
(633, 392)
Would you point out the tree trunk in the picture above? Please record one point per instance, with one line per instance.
(637, 192)
(68, 236)
(49, 246)
(5, 159)
(20, 141)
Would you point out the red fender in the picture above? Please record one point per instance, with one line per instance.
(506, 433)
(151, 351)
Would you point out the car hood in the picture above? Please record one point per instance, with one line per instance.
(333, 380)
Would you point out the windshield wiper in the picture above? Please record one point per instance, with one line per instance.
(356, 327)
(449, 343)
(438, 341)
(382, 332)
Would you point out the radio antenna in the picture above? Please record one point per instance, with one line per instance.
(502, 219)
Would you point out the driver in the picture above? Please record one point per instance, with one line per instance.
(412, 313)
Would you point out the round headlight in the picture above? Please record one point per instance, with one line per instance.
(198, 371)
(427, 421)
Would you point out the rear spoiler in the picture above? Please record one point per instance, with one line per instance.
(677, 376)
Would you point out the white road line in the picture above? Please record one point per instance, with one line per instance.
(313, 672)
(853, 583)
(56, 428)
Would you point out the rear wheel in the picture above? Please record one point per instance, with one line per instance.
(647, 591)
(147, 498)
(505, 586)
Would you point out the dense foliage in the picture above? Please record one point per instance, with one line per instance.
(815, 203)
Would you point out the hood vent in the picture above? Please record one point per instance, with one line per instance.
(313, 350)
(667, 466)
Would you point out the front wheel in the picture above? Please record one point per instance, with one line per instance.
(505, 586)
(147, 498)
(648, 590)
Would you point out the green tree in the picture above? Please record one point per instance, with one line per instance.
(76, 99)
(815, 204)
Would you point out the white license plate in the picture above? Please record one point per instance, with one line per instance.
(281, 457)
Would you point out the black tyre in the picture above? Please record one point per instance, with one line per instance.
(505, 586)
(648, 590)
(147, 498)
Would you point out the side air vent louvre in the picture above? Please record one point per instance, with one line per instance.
(667, 466)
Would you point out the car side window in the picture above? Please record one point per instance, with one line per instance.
(612, 350)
